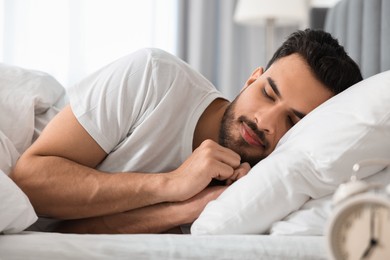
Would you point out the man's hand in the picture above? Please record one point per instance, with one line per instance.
(239, 172)
(209, 161)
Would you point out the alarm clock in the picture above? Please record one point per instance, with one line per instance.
(359, 226)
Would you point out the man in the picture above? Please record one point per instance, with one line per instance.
(143, 138)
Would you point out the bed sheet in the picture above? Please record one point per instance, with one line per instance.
(40, 245)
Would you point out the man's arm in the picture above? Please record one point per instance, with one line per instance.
(152, 219)
(57, 173)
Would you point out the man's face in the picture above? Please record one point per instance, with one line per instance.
(268, 106)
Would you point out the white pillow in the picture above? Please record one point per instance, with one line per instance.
(311, 218)
(310, 161)
(16, 211)
(8, 154)
(23, 95)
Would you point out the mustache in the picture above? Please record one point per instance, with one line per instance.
(252, 125)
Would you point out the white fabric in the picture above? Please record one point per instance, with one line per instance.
(31, 245)
(142, 110)
(311, 219)
(16, 211)
(28, 99)
(310, 161)
(25, 94)
(8, 154)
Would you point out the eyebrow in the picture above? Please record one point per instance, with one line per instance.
(277, 92)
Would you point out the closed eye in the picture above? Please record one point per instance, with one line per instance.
(266, 94)
(290, 121)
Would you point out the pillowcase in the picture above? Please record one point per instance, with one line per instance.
(23, 95)
(8, 154)
(27, 98)
(311, 219)
(310, 161)
(16, 211)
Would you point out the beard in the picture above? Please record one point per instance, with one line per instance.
(238, 145)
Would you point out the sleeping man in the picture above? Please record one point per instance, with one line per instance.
(136, 149)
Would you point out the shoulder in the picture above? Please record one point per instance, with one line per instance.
(155, 55)
(171, 65)
(158, 56)
(169, 70)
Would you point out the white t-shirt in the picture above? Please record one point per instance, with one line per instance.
(142, 110)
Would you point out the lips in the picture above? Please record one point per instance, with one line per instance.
(249, 136)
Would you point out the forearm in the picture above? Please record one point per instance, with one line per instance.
(152, 219)
(63, 189)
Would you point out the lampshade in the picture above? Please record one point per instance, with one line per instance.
(283, 12)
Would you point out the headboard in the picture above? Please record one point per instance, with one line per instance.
(363, 28)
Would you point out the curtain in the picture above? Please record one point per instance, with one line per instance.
(224, 52)
(72, 38)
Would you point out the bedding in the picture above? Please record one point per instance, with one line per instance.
(312, 218)
(16, 210)
(26, 98)
(33, 245)
(8, 154)
(309, 162)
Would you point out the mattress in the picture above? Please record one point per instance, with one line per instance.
(40, 245)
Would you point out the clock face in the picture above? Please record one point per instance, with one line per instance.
(361, 230)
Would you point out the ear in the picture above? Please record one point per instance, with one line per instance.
(255, 74)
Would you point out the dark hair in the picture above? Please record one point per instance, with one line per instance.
(325, 56)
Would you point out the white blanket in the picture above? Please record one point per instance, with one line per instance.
(35, 245)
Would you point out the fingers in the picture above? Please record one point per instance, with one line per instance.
(221, 171)
(209, 161)
(238, 173)
(226, 164)
(242, 170)
(213, 150)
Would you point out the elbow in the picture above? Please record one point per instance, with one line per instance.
(32, 184)
(22, 174)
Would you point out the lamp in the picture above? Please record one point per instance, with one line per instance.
(271, 13)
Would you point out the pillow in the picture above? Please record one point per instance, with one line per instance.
(24, 94)
(8, 154)
(26, 98)
(16, 211)
(310, 161)
(311, 218)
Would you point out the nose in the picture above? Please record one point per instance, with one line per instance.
(270, 120)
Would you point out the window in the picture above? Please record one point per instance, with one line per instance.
(72, 38)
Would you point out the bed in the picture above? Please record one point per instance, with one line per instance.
(29, 245)
(285, 219)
